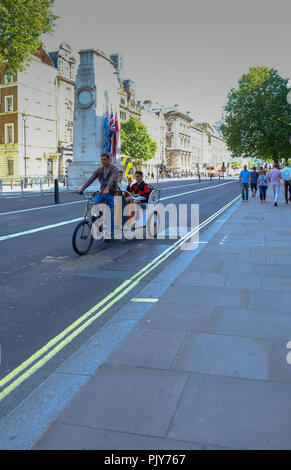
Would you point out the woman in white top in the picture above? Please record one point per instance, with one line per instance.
(275, 176)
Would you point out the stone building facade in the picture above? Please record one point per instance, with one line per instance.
(128, 105)
(35, 116)
(66, 67)
(178, 141)
(154, 120)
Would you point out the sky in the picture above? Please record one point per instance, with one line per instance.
(185, 52)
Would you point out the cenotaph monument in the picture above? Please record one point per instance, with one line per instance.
(96, 94)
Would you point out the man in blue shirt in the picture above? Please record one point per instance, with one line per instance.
(254, 181)
(286, 174)
(244, 181)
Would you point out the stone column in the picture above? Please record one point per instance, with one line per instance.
(96, 92)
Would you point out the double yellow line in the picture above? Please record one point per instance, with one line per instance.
(43, 355)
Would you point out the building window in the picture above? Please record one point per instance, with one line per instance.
(9, 133)
(8, 78)
(10, 167)
(8, 104)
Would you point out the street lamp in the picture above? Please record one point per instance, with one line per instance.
(24, 116)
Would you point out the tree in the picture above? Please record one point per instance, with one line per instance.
(257, 117)
(235, 163)
(22, 24)
(136, 142)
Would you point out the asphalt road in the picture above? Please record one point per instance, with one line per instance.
(45, 286)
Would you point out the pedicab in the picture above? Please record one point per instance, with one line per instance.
(135, 222)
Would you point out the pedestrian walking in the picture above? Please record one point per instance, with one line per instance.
(254, 181)
(263, 181)
(286, 176)
(275, 176)
(244, 182)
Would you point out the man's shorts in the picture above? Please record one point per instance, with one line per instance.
(254, 186)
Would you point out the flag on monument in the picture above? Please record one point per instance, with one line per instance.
(106, 133)
(115, 137)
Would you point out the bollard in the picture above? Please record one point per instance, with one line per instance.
(1, 189)
(40, 186)
(21, 186)
(57, 194)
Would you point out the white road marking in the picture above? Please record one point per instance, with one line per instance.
(39, 229)
(42, 207)
(194, 191)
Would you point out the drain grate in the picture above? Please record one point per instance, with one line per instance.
(242, 240)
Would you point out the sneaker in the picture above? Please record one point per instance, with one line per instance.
(275, 204)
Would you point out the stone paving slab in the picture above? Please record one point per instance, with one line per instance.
(196, 278)
(250, 323)
(276, 301)
(278, 259)
(279, 270)
(233, 356)
(252, 258)
(234, 412)
(168, 317)
(216, 297)
(244, 414)
(151, 348)
(129, 399)
(65, 436)
(251, 281)
(276, 283)
(274, 250)
(237, 268)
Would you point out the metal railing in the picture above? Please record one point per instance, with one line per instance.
(22, 186)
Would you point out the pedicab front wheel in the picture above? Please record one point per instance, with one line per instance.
(82, 238)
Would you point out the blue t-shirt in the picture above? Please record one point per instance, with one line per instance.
(255, 176)
(245, 174)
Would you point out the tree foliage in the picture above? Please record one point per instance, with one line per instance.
(136, 142)
(257, 116)
(22, 23)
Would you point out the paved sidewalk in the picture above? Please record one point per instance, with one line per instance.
(205, 368)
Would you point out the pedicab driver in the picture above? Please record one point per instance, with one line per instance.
(107, 175)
